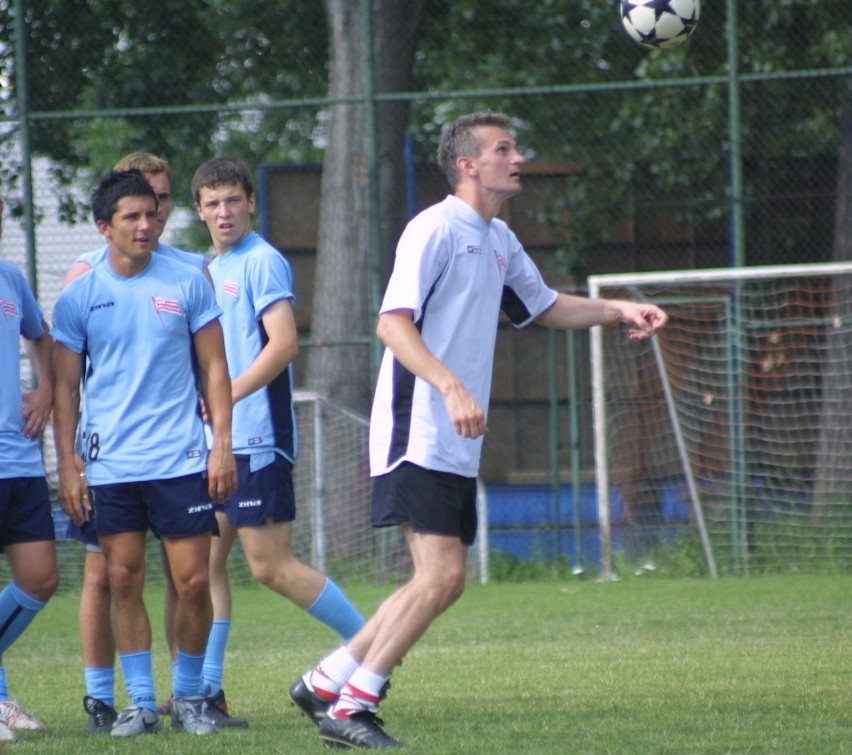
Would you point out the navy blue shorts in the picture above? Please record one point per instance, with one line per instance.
(433, 503)
(85, 533)
(25, 515)
(173, 508)
(267, 493)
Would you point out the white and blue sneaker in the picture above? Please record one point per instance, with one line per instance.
(133, 721)
(191, 715)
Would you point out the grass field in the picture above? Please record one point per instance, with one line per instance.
(646, 665)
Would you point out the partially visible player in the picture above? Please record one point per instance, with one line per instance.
(457, 266)
(26, 525)
(254, 287)
(148, 327)
(96, 635)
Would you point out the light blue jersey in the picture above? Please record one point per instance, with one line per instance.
(97, 256)
(142, 420)
(247, 280)
(20, 315)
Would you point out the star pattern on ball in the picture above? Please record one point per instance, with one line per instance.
(660, 23)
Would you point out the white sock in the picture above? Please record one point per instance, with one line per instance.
(332, 672)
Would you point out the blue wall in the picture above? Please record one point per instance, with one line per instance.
(521, 518)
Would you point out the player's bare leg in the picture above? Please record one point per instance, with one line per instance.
(125, 555)
(189, 559)
(438, 581)
(270, 557)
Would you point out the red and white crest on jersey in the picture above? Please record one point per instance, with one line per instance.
(8, 307)
(230, 287)
(502, 262)
(161, 304)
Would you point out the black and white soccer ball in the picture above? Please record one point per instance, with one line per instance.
(660, 23)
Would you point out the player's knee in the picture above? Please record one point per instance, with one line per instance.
(96, 581)
(195, 588)
(454, 584)
(125, 580)
(264, 573)
(441, 588)
(42, 586)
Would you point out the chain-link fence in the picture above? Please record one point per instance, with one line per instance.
(733, 149)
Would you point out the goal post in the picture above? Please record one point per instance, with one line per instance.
(729, 433)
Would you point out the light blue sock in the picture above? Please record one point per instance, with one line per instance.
(100, 683)
(334, 609)
(4, 687)
(17, 610)
(214, 658)
(138, 671)
(188, 679)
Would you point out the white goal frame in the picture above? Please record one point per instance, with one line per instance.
(597, 284)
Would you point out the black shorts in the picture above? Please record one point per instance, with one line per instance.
(435, 503)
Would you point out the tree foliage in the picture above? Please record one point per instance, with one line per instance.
(225, 72)
(193, 56)
(118, 54)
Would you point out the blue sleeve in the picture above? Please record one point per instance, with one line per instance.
(31, 316)
(270, 279)
(203, 308)
(68, 328)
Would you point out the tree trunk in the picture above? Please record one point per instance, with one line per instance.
(342, 302)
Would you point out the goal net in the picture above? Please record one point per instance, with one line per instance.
(729, 434)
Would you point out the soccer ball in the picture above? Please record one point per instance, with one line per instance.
(660, 23)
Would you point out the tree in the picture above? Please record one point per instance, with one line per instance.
(344, 265)
(120, 54)
(230, 68)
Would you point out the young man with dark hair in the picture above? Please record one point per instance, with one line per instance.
(254, 287)
(147, 329)
(96, 635)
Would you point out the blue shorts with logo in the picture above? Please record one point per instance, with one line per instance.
(262, 494)
(25, 515)
(172, 508)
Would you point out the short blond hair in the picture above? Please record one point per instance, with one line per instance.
(146, 163)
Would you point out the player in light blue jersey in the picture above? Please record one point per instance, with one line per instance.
(96, 635)
(254, 287)
(26, 525)
(147, 328)
(457, 266)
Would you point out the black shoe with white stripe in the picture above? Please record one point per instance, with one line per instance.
(362, 729)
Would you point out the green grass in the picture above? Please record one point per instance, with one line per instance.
(646, 665)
